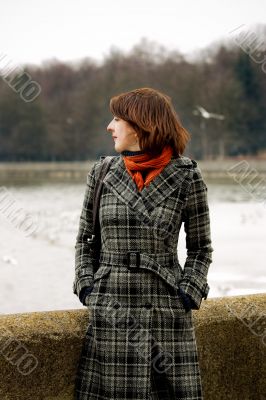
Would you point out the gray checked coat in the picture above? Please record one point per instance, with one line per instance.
(140, 341)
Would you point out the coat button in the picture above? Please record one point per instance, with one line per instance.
(148, 305)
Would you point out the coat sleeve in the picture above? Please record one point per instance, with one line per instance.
(83, 261)
(198, 241)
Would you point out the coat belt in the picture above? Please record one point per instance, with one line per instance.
(133, 259)
(159, 263)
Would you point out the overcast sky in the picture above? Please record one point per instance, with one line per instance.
(35, 30)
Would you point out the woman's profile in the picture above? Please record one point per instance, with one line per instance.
(140, 341)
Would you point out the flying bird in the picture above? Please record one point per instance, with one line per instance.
(205, 114)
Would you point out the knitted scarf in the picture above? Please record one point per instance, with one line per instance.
(140, 164)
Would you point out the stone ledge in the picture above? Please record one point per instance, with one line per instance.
(40, 350)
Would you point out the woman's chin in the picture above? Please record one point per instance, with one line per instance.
(118, 148)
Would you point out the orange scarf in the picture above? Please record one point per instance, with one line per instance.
(143, 162)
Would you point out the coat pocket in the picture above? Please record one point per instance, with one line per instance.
(102, 271)
(98, 283)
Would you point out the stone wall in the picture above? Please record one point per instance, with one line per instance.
(39, 351)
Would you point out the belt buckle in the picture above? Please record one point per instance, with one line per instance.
(137, 258)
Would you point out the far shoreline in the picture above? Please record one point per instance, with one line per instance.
(30, 172)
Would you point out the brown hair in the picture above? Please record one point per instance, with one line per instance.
(152, 115)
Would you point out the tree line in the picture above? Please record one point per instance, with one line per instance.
(68, 119)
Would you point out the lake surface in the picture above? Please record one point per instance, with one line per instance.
(37, 270)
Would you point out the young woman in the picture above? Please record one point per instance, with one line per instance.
(140, 342)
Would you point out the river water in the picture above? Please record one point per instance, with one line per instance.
(37, 269)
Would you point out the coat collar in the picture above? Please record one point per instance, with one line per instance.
(177, 173)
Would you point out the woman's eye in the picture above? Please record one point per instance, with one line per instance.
(116, 119)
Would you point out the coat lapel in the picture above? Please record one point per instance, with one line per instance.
(176, 173)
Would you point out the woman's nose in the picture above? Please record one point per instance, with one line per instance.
(109, 128)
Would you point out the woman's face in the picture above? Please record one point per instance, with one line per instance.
(124, 136)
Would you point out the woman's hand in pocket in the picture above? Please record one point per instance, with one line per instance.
(88, 294)
(85, 294)
(186, 300)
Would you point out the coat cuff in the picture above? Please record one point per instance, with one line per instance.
(82, 280)
(195, 292)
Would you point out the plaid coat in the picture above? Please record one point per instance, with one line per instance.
(140, 341)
